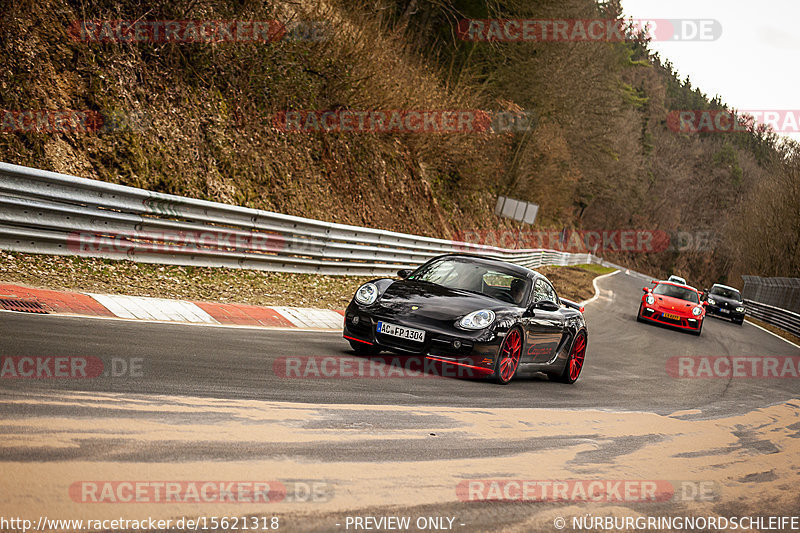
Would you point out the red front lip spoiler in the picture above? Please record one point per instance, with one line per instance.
(357, 340)
(481, 368)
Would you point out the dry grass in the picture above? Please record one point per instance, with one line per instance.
(216, 284)
(573, 282)
(178, 282)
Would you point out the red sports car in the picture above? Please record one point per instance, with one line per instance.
(673, 304)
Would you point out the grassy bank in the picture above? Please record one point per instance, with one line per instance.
(216, 284)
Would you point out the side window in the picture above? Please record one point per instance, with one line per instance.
(551, 293)
(539, 291)
(543, 291)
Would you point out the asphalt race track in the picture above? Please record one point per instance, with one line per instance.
(231, 414)
(625, 363)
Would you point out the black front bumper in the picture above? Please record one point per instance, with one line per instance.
(472, 349)
(725, 312)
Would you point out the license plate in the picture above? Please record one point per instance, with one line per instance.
(671, 316)
(416, 335)
(725, 311)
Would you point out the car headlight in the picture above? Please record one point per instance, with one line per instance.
(367, 294)
(697, 311)
(711, 301)
(740, 309)
(650, 300)
(477, 320)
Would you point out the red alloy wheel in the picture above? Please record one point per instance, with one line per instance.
(510, 354)
(576, 357)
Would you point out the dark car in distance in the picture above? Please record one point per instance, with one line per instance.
(725, 302)
(490, 316)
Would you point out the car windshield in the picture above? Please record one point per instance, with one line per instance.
(726, 293)
(491, 280)
(673, 291)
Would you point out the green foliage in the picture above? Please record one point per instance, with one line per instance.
(727, 159)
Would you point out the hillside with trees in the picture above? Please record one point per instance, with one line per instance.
(198, 119)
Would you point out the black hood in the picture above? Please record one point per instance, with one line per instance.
(722, 299)
(434, 302)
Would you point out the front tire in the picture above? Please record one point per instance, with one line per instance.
(574, 365)
(700, 329)
(639, 314)
(507, 363)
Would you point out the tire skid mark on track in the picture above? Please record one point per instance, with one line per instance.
(134, 437)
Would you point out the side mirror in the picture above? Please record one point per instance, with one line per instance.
(544, 305)
(645, 289)
(704, 303)
(403, 274)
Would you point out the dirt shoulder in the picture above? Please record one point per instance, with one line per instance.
(776, 330)
(574, 282)
(219, 284)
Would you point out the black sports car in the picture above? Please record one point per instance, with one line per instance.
(724, 301)
(490, 316)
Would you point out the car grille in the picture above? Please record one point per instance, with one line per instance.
(721, 307)
(403, 344)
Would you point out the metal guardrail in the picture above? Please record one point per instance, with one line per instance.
(50, 213)
(776, 301)
(777, 292)
(786, 320)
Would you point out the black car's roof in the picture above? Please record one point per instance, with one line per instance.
(517, 269)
